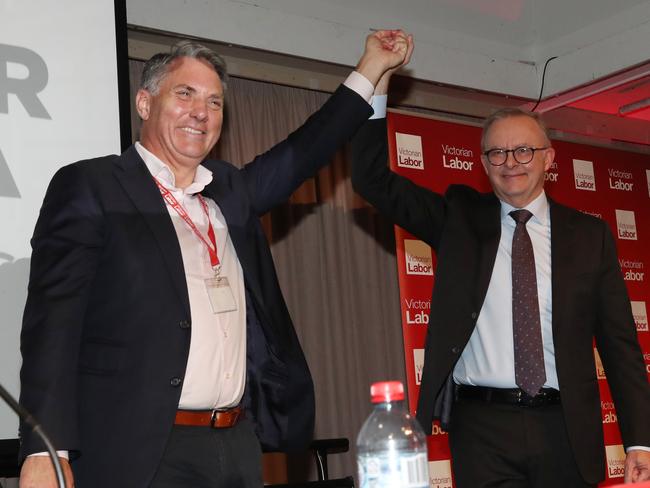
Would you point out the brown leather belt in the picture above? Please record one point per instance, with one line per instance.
(217, 419)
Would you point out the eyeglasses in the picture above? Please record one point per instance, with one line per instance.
(522, 154)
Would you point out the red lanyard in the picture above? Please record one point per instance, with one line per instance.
(212, 243)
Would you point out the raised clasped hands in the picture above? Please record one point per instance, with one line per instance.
(386, 51)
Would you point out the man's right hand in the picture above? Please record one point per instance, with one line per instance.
(38, 472)
(385, 51)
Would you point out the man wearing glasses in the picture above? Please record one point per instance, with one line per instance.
(523, 285)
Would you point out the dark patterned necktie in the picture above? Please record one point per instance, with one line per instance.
(530, 374)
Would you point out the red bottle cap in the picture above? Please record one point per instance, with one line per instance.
(386, 391)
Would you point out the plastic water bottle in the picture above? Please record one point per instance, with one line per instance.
(391, 447)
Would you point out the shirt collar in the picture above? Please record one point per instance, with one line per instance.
(539, 207)
(165, 175)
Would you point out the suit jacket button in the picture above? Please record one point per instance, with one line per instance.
(474, 315)
(455, 349)
(184, 324)
(175, 382)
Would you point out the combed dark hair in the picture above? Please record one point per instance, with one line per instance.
(506, 113)
(158, 65)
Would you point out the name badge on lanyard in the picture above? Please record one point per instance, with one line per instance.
(221, 296)
(219, 291)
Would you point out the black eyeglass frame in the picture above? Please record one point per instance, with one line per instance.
(514, 154)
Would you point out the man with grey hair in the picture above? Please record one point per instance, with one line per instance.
(157, 348)
(523, 286)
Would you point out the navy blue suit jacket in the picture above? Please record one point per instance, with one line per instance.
(106, 330)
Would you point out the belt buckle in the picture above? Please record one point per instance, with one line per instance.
(213, 417)
(526, 400)
(234, 415)
(520, 397)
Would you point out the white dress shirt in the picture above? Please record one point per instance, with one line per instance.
(488, 358)
(216, 369)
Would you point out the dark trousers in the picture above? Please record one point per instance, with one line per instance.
(202, 457)
(509, 446)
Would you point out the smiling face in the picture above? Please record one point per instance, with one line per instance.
(182, 122)
(514, 183)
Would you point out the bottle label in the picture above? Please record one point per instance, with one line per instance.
(393, 470)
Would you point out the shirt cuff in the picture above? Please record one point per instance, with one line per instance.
(637, 448)
(360, 84)
(61, 454)
(378, 104)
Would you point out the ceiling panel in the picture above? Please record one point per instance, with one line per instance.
(610, 101)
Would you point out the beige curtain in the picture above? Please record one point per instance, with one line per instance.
(335, 259)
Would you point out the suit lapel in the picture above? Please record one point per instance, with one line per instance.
(488, 228)
(137, 182)
(562, 246)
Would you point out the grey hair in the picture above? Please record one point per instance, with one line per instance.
(506, 113)
(157, 67)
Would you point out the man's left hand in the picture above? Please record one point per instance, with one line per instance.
(637, 466)
(385, 50)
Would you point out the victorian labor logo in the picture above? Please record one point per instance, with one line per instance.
(620, 180)
(418, 361)
(640, 316)
(459, 158)
(440, 474)
(626, 225)
(615, 461)
(583, 173)
(409, 151)
(418, 258)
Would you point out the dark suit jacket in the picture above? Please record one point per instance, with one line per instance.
(106, 330)
(589, 297)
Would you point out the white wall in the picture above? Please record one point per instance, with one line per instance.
(611, 37)
(491, 45)
(64, 53)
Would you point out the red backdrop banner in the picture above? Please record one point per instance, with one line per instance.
(611, 184)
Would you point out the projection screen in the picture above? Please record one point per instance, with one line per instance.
(59, 102)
